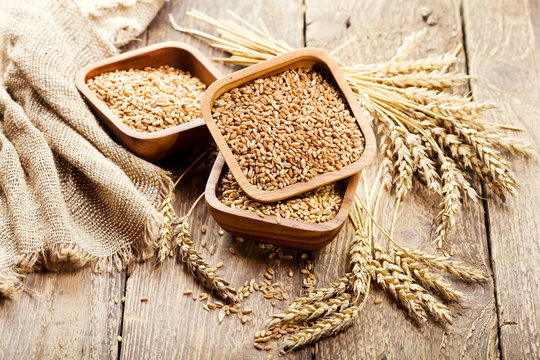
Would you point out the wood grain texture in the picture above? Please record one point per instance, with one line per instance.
(384, 329)
(312, 58)
(64, 315)
(170, 324)
(503, 52)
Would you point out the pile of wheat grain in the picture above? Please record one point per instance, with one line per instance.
(316, 206)
(150, 99)
(288, 128)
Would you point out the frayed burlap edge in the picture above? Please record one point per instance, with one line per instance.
(53, 257)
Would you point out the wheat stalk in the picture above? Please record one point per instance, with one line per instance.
(165, 230)
(174, 233)
(194, 261)
(392, 279)
(337, 288)
(165, 246)
(409, 44)
(437, 309)
(405, 66)
(456, 268)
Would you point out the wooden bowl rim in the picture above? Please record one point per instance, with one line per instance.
(81, 76)
(281, 63)
(329, 226)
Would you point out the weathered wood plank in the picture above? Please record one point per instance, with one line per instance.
(384, 329)
(64, 315)
(170, 324)
(503, 52)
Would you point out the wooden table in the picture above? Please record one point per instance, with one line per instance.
(73, 314)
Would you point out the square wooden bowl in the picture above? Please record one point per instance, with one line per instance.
(307, 57)
(156, 145)
(288, 232)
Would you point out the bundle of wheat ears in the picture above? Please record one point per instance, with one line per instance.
(425, 132)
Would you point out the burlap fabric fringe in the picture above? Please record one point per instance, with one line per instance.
(68, 192)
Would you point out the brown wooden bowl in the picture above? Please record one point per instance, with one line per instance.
(308, 57)
(156, 145)
(291, 233)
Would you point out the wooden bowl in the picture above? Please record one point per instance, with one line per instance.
(156, 145)
(307, 57)
(291, 233)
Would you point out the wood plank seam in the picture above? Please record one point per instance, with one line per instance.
(483, 188)
(503, 51)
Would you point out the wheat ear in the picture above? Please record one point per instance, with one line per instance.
(323, 327)
(360, 254)
(427, 278)
(194, 261)
(309, 312)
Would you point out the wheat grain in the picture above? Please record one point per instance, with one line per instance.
(287, 128)
(150, 99)
(315, 206)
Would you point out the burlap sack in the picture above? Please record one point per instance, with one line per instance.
(68, 192)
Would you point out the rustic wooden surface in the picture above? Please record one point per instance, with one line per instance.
(504, 57)
(73, 315)
(384, 329)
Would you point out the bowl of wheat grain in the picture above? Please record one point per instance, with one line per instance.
(288, 125)
(307, 221)
(150, 98)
